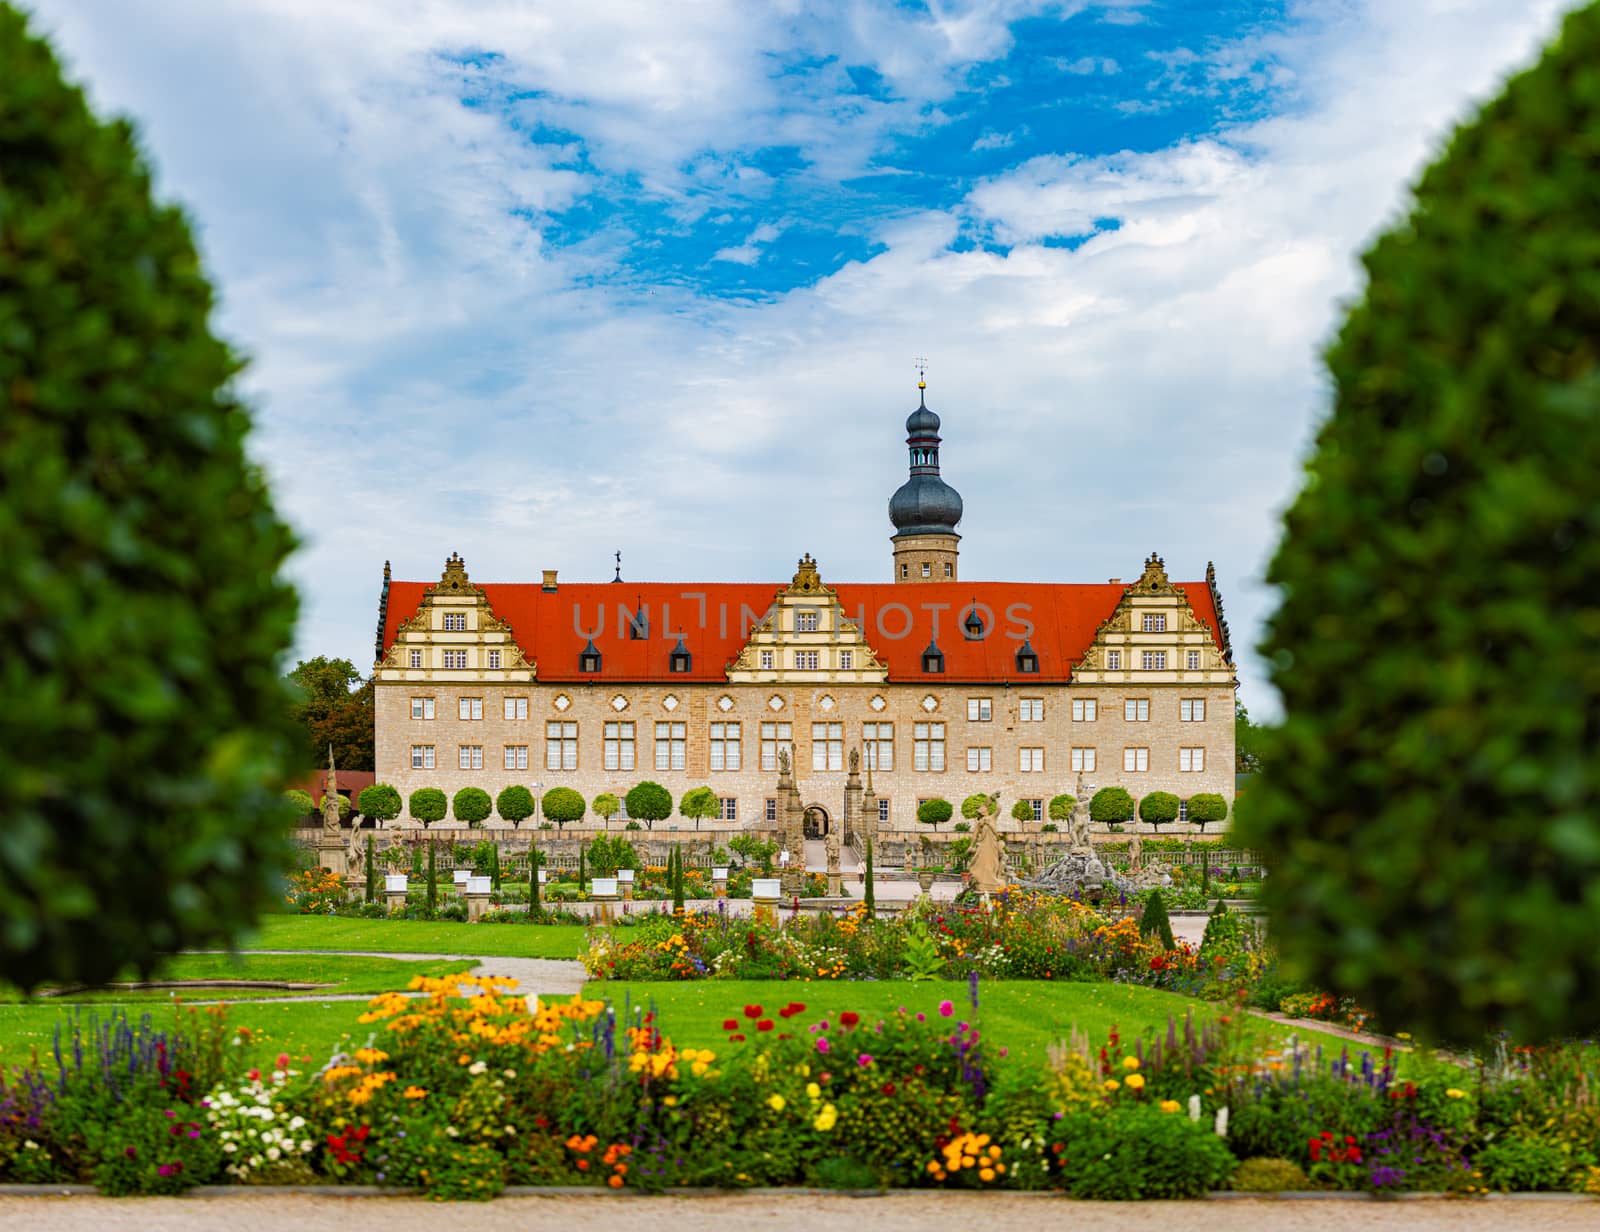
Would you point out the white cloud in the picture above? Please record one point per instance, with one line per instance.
(432, 376)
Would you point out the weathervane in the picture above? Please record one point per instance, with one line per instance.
(618, 577)
(922, 371)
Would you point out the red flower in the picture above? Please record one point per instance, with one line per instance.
(730, 1024)
(888, 1088)
(764, 1025)
(752, 1011)
(737, 1038)
(849, 1018)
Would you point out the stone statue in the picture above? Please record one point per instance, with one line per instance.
(1080, 825)
(783, 761)
(330, 797)
(1135, 853)
(855, 761)
(988, 852)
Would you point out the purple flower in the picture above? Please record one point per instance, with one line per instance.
(864, 1060)
(946, 1008)
(922, 1018)
(822, 1045)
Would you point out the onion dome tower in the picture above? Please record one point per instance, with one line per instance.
(925, 509)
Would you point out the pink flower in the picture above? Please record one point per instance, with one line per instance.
(946, 1008)
(864, 1060)
(822, 1045)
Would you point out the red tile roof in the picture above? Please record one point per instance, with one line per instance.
(898, 621)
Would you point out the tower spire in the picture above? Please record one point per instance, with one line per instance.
(925, 509)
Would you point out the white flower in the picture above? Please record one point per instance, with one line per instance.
(273, 1153)
(230, 1147)
(477, 1067)
(305, 1147)
(30, 1145)
(452, 1131)
(296, 1123)
(511, 1073)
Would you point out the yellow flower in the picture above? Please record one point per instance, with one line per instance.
(1135, 1082)
(775, 1102)
(1130, 1062)
(1405, 1035)
(415, 1093)
(826, 1119)
(813, 1090)
(1112, 1084)
(370, 1056)
(1453, 1093)
(1170, 1105)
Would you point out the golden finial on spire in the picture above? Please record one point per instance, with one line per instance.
(922, 371)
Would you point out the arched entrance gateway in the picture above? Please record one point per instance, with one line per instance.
(817, 821)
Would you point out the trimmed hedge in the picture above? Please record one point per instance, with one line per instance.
(1111, 806)
(381, 802)
(471, 805)
(514, 804)
(1429, 804)
(563, 804)
(428, 805)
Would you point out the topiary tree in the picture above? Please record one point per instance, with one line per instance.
(147, 734)
(1154, 922)
(1159, 808)
(561, 805)
(1206, 807)
(607, 806)
(427, 805)
(300, 801)
(1022, 811)
(380, 802)
(1111, 806)
(699, 802)
(471, 805)
(514, 804)
(934, 812)
(1061, 807)
(649, 802)
(1432, 830)
(432, 891)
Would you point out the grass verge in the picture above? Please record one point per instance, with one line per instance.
(320, 932)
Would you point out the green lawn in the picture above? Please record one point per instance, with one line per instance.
(1023, 1016)
(319, 932)
(342, 975)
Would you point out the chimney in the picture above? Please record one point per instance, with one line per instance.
(1109, 582)
(549, 583)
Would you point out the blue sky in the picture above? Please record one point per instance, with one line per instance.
(540, 281)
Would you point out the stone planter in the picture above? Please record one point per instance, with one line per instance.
(925, 878)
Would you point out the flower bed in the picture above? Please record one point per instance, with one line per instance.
(458, 1095)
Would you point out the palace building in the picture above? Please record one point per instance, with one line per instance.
(945, 687)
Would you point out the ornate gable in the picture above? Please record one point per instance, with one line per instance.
(1153, 637)
(805, 639)
(454, 637)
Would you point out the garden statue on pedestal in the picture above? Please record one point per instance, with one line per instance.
(331, 851)
(988, 851)
(1079, 823)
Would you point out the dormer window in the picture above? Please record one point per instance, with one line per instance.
(638, 625)
(933, 658)
(973, 624)
(589, 658)
(1027, 660)
(680, 659)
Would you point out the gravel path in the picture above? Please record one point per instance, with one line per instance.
(550, 977)
(901, 1212)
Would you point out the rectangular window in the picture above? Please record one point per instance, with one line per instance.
(470, 708)
(1038, 809)
(979, 709)
(883, 812)
(879, 741)
(805, 622)
(472, 757)
(1030, 761)
(619, 746)
(422, 757)
(494, 660)
(805, 660)
(1030, 710)
(725, 746)
(1136, 759)
(1155, 622)
(422, 708)
(730, 808)
(1192, 759)
(516, 707)
(827, 746)
(1136, 710)
(766, 660)
(1183, 811)
(560, 745)
(455, 622)
(416, 658)
(1083, 759)
(847, 660)
(455, 659)
(927, 570)
(1153, 660)
(927, 746)
(771, 810)
(775, 736)
(1113, 660)
(671, 746)
(1194, 660)
(1192, 710)
(516, 757)
(980, 759)
(1084, 709)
